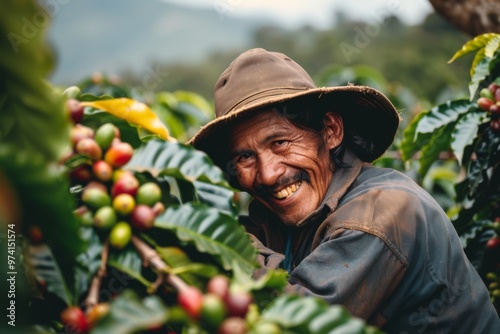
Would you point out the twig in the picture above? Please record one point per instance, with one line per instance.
(151, 257)
(93, 295)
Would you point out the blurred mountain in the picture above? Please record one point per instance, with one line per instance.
(117, 36)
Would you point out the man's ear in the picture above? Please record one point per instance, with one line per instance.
(334, 130)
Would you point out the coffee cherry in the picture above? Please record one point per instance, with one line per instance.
(149, 193)
(497, 94)
(105, 218)
(81, 174)
(219, 286)
(97, 184)
(495, 111)
(493, 243)
(120, 235)
(90, 148)
(105, 134)
(75, 110)
(233, 325)
(142, 217)
(96, 312)
(267, 328)
(95, 198)
(124, 204)
(119, 154)
(493, 87)
(78, 132)
(74, 320)
(72, 92)
(238, 302)
(125, 185)
(485, 103)
(495, 125)
(119, 173)
(102, 170)
(84, 216)
(35, 235)
(190, 299)
(485, 92)
(491, 276)
(213, 311)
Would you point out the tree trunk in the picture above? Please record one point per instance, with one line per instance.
(473, 17)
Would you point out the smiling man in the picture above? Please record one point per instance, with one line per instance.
(353, 234)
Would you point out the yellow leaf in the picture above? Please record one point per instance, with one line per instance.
(134, 112)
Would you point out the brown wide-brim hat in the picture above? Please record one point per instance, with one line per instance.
(259, 79)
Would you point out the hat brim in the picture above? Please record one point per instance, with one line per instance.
(362, 108)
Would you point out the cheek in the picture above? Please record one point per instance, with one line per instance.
(244, 177)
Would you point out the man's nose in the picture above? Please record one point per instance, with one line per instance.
(269, 169)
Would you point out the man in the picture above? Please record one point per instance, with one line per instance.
(368, 238)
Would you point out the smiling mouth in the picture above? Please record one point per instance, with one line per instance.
(287, 191)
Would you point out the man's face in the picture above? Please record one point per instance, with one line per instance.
(286, 168)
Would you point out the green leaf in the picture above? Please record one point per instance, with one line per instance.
(492, 46)
(176, 257)
(201, 110)
(32, 115)
(191, 164)
(34, 121)
(128, 314)
(411, 143)
(212, 232)
(131, 272)
(88, 261)
(197, 177)
(480, 73)
(477, 43)
(465, 133)
(127, 257)
(442, 115)
(45, 268)
(183, 112)
(311, 315)
(439, 142)
(32, 179)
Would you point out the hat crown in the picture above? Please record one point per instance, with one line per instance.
(257, 73)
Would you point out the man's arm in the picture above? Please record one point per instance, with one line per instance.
(355, 269)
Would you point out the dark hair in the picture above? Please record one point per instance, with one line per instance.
(308, 115)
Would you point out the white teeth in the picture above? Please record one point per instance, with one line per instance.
(288, 191)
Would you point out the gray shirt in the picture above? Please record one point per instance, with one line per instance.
(381, 246)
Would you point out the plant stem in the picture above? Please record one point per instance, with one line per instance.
(93, 295)
(151, 257)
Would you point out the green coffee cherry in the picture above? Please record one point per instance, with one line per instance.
(120, 235)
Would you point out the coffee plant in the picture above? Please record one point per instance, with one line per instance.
(470, 129)
(112, 224)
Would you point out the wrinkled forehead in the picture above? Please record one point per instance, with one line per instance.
(266, 120)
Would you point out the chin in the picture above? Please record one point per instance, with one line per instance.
(291, 221)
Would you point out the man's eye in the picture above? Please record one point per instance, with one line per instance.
(280, 143)
(244, 157)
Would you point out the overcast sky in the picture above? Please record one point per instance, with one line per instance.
(318, 13)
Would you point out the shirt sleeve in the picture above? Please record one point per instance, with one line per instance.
(352, 268)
